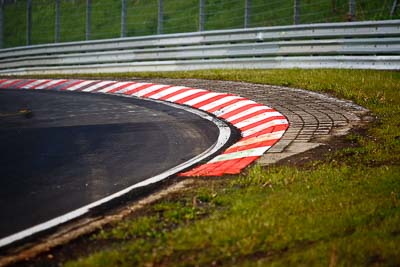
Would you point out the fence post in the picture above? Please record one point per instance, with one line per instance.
(352, 10)
(28, 22)
(1, 24)
(88, 18)
(296, 12)
(393, 9)
(247, 13)
(57, 30)
(123, 19)
(201, 16)
(160, 17)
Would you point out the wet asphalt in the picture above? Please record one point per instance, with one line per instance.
(62, 150)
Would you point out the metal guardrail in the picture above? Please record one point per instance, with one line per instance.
(366, 45)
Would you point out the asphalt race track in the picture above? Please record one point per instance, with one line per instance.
(63, 150)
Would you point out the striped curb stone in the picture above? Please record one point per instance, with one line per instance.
(260, 126)
(313, 117)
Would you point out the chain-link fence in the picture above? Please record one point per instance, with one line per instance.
(27, 22)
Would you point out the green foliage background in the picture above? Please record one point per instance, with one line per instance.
(179, 16)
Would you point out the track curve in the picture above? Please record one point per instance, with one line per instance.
(78, 149)
(260, 128)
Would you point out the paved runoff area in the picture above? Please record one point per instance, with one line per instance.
(313, 117)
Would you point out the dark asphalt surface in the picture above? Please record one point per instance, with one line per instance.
(79, 147)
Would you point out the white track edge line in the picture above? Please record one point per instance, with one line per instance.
(223, 137)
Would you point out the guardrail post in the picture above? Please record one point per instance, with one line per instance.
(352, 10)
(296, 12)
(393, 9)
(201, 15)
(247, 13)
(1, 24)
(57, 25)
(123, 18)
(88, 18)
(28, 22)
(160, 17)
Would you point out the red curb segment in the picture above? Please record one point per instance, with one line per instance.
(260, 126)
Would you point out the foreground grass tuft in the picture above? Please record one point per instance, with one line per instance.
(343, 209)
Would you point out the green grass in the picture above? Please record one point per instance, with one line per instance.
(341, 210)
(179, 16)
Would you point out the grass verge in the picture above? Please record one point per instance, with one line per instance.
(343, 209)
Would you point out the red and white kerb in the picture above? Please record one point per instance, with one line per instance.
(260, 126)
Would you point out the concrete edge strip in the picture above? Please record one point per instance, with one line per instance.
(260, 127)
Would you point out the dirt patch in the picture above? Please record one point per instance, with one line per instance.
(324, 151)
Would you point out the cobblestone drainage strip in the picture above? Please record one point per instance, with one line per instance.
(260, 126)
